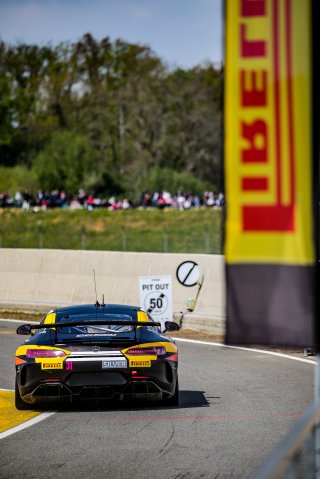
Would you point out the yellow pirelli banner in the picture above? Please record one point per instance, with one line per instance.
(269, 246)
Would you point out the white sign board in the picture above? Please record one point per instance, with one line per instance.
(156, 297)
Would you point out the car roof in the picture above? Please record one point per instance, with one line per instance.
(94, 308)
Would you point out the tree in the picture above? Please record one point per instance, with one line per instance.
(66, 163)
(113, 105)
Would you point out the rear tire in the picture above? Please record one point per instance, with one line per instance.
(19, 403)
(174, 400)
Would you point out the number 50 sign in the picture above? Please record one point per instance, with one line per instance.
(156, 297)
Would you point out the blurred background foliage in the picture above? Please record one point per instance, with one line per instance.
(108, 117)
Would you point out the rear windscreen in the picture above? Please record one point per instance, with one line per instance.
(85, 332)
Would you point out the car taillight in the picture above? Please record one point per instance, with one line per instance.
(152, 350)
(45, 353)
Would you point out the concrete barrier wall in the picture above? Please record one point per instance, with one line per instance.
(42, 279)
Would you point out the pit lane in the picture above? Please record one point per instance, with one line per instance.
(235, 406)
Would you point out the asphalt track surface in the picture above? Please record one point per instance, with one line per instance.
(235, 406)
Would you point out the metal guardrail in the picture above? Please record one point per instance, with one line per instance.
(297, 456)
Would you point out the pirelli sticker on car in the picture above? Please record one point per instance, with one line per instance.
(140, 363)
(51, 365)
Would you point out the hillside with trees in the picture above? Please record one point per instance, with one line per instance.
(108, 117)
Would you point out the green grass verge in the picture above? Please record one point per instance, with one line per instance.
(169, 230)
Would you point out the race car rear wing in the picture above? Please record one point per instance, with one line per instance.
(27, 328)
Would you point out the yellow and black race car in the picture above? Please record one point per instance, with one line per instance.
(101, 351)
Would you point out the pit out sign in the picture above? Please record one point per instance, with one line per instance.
(156, 297)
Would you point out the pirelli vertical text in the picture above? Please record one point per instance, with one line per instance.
(268, 163)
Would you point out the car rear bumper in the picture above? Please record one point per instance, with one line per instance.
(153, 384)
(134, 390)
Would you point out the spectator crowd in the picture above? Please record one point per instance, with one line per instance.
(60, 199)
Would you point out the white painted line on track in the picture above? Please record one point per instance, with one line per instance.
(26, 424)
(241, 348)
